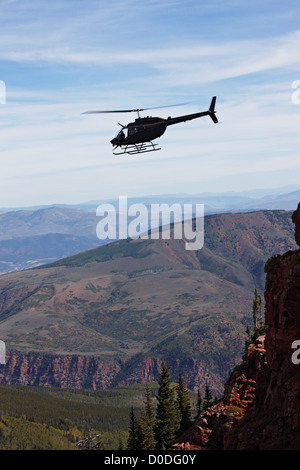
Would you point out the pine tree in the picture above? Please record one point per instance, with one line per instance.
(167, 415)
(255, 309)
(199, 407)
(121, 447)
(184, 404)
(248, 339)
(134, 438)
(259, 327)
(147, 422)
(207, 398)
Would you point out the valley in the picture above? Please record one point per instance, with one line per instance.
(108, 316)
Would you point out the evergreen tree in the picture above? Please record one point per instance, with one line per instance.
(256, 310)
(248, 339)
(199, 405)
(167, 414)
(207, 398)
(184, 404)
(134, 438)
(259, 327)
(121, 447)
(147, 422)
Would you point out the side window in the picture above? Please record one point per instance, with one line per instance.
(132, 130)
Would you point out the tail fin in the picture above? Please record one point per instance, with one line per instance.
(212, 112)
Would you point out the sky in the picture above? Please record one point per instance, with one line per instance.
(61, 58)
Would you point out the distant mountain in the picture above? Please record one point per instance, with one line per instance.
(34, 236)
(286, 201)
(23, 253)
(231, 202)
(29, 238)
(109, 315)
(25, 223)
(255, 199)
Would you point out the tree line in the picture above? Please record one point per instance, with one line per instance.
(157, 427)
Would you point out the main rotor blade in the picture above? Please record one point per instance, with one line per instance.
(116, 111)
(166, 106)
(132, 110)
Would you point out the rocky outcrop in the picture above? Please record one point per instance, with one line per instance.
(275, 420)
(283, 317)
(282, 297)
(72, 371)
(57, 371)
(260, 408)
(241, 388)
(296, 220)
(211, 428)
(78, 371)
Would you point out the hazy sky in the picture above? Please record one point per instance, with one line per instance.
(60, 58)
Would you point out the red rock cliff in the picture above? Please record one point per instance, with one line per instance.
(282, 297)
(296, 220)
(56, 371)
(262, 395)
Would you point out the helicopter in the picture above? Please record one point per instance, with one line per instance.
(136, 137)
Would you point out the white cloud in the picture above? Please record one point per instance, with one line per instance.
(190, 63)
(76, 56)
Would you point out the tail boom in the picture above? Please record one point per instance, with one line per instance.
(188, 117)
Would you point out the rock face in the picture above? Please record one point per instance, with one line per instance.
(56, 371)
(70, 371)
(265, 388)
(283, 317)
(210, 429)
(277, 407)
(296, 220)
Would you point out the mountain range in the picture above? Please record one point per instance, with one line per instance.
(124, 307)
(34, 236)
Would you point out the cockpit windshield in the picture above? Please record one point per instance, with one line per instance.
(120, 135)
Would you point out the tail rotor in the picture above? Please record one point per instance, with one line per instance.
(212, 112)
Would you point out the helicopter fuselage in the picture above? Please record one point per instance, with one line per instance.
(141, 130)
(146, 129)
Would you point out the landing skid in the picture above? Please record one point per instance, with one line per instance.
(135, 149)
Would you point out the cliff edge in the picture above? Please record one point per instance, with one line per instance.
(260, 408)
